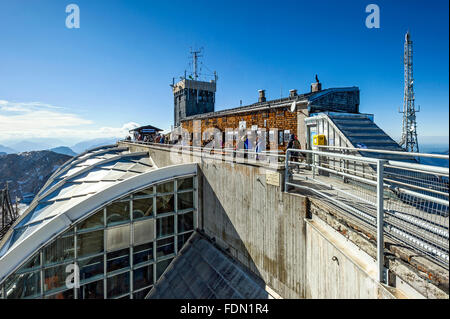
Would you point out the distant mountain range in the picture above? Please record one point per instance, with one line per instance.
(50, 144)
(63, 150)
(27, 172)
(7, 150)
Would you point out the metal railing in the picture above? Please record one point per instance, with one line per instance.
(271, 157)
(406, 201)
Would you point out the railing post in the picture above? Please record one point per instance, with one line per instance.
(286, 169)
(380, 220)
(314, 165)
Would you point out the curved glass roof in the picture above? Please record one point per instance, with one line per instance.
(80, 185)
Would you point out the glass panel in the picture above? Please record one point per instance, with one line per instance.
(143, 253)
(118, 285)
(185, 183)
(185, 200)
(95, 221)
(118, 260)
(143, 231)
(91, 267)
(141, 294)
(59, 250)
(165, 226)
(33, 263)
(55, 277)
(165, 187)
(117, 237)
(68, 294)
(25, 285)
(142, 207)
(165, 247)
(118, 212)
(185, 222)
(182, 239)
(93, 290)
(161, 266)
(143, 277)
(164, 204)
(90, 243)
(145, 192)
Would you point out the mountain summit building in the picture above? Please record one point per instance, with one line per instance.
(193, 97)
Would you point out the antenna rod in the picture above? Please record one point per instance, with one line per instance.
(195, 56)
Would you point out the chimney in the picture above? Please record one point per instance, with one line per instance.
(262, 96)
(292, 93)
(317, 86)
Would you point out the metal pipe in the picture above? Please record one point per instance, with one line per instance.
(363, 180)
(286, 170)
(410, 154)
(426, 168)
(380, 220)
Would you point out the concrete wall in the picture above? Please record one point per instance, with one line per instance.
(337, 268)
(267, 230)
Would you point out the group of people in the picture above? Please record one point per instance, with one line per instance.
(158, 138)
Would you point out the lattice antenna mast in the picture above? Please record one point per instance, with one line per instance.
(409, 126)
(195, 56)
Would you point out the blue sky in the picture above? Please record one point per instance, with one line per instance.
(116, 68)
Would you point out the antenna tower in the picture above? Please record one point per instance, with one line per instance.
(409, 128)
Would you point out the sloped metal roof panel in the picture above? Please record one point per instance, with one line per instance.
(202, 270)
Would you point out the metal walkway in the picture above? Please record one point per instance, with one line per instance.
(414, 198)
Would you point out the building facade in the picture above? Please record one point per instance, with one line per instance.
(272, 121)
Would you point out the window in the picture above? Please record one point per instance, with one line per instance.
(161, 267)
(143, 277)
(185, 183)
(67, 294)
(24, 285)
(117, 237)
(142, 208)
(182, 239)
(118, 212)
(164, 204)
(118, 260)
(165, 187)
(90, 243)
(141, 294)
(142, 253)
(165, 226)
(59, 250)
(118, 285)
(91, 267)
(185, 222)
(55, 277)
(185, 200)
(33, 263)
(165, 247)
(145, 192)
(93, 290)
(93, 222)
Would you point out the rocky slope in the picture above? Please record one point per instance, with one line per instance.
(27, 172)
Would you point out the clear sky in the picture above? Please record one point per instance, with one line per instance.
(116, 68)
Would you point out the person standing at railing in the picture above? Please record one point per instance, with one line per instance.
(294, 143)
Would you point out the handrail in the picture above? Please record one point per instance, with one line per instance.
(409, 154)
(416, 204)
